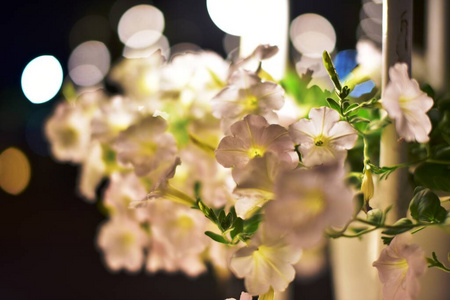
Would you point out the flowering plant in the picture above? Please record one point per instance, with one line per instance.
(211, 161)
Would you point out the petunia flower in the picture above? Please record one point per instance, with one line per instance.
(121, 191)
(405, 102)
(145, 145)
(178, 239)
(399, 267)
(307, 201)
(255, 182)
(247, 94)
(265, 263)
(323, 138)
(122, 241)
(253, 137)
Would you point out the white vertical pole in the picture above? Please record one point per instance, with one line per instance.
(397, 47)
(270, 26)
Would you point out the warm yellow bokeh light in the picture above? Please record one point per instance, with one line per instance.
(42, 78)
(141, 26)
(15, 171)
(89, 63)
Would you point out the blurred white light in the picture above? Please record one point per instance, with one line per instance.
(89, 63)
(162, 44)
(42, 78)
(311, 34)
(231, 16)
(141, 26)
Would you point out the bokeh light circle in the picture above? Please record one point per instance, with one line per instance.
(236, 17)
(41, 79)
(311, 34)
(89, 63)
(15, 171)
(141, 26)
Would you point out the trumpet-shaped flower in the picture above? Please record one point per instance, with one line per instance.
(265, 263)
(178, 238)
(253, 137)
(247, 94)
(121, 191)
(255, 183)
(323, 138)
(122, 241)
(93, 170)
(307, 201)
(145, 145)
(407, 105)
(399, 266)
(69, 132)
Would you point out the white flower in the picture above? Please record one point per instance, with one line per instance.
(145, 145)
(69, 132)
(253, 137)
(122, 241)
(323, 138)
(247, 94)
(265, 263)
(399, 266)
(255, 183)
(121, 191)
(407, 105)
(307, 201)
(93, 170)
(178, 239)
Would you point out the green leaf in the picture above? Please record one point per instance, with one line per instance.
(238, 227)
(387, 239)
(426, 206)
(328, 63)
(227, 221)
(403, 224)
(350, 107)
(252, 224)
(334, 105)
(216, 237)
(434, 176)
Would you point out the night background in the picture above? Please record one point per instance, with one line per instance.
(48, 232)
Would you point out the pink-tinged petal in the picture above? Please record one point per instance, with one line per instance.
(303, 132)
(407, 105)
(265, 51)
(232, 152)
(245, 296)
(343, 135)
(225, 104)
(323, 119)
(270, 95)
(250, 129)
(244, 79)
(399, 266)
(399, 75)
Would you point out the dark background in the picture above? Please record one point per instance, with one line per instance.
(47, 233)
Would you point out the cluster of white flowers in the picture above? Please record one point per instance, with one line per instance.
(201, 119)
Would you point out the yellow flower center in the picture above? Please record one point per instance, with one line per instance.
(314, 201)
(251, 102)
(126, 239)
(256, 151)
(321, 141)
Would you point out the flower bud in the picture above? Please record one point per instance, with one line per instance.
(367, 186)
